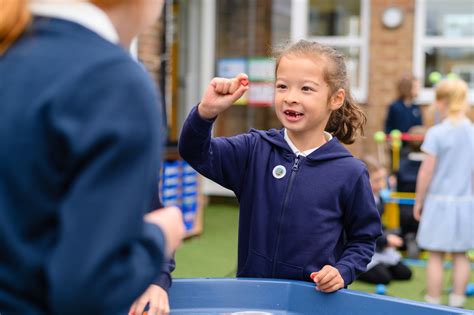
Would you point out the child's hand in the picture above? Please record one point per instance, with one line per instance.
(221, 94)
(417, 211)
(170, 220)
(156, 297)
(394, 240)
(328, 279)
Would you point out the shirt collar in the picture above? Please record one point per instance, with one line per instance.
(83, 13)
(304, 153)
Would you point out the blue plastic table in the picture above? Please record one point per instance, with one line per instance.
(276, 297)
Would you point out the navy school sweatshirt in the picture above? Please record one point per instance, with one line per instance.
(321, 212)
(81, 146)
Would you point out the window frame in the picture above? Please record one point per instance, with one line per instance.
(421, 41)
(299, 30)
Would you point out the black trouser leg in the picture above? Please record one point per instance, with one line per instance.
(377, 275)
(400, 271)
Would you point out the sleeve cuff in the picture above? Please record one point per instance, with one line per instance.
(199, 124)
(156, 236)
(346, 274)
(164, 281)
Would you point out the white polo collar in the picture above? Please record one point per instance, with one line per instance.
(83, 13)
(304, 153)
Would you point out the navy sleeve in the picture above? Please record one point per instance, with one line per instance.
(164, 280)
(107, 128)
(362, 226)
(418, 118)
(223, 160)
(381, 243)
(390, 122)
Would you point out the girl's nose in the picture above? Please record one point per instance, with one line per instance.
(291, 97)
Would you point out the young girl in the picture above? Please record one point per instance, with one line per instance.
(80, 149)
(306, 207)
(445, 192)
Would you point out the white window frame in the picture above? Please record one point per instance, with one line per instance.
(421, 41)
(299, 30)
(204, 71)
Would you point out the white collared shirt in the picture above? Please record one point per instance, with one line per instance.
(83, 13)
(304, 153)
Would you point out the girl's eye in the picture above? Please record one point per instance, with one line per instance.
(307, 88)
(280, 86)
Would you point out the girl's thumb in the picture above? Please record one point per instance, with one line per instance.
(243, 79)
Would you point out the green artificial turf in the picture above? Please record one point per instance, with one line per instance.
(214, 254)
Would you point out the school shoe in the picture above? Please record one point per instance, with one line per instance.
(456, 300)
(432, 300)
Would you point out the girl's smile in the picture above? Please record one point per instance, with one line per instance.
(292, 115)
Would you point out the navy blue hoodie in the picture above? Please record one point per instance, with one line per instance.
(322, 212)
(81, 144)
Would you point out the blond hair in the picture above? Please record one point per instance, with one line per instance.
(345, 122)
(454, 93)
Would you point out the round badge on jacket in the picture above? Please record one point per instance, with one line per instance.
(279, 171)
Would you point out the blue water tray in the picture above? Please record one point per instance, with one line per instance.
(277, 297)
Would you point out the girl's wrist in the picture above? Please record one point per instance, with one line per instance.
(205, 114)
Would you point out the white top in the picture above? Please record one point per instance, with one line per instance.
(83, 13)
(453, 145)
(304, 153)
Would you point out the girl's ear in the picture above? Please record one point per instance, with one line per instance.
(337, 99)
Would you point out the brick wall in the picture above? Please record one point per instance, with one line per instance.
(149, 50)
(391, 56)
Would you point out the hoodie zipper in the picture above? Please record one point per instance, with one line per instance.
(294, 169)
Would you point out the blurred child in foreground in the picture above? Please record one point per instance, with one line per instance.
(81, 144)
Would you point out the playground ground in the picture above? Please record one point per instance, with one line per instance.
(214, 254)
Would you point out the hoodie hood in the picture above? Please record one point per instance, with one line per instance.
(331, 150)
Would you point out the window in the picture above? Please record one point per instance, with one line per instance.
(444, 43)
(342, 24)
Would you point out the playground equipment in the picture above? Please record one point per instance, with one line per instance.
(395, 139)
(272, 296)
(392, 200)
(380, 138)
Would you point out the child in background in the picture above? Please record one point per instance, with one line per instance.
(81, 145)
(403, 113)
(386, 263)
(406, 182)
(306, 208)
(445, 193)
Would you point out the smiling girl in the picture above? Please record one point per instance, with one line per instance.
(306, 207)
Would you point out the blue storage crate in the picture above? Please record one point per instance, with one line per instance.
(179, 187)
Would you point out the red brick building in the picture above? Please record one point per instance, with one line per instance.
(382, 40)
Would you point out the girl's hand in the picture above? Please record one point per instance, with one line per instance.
(328, 279)
(220, 94)
(417, 211)
(156, 297)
